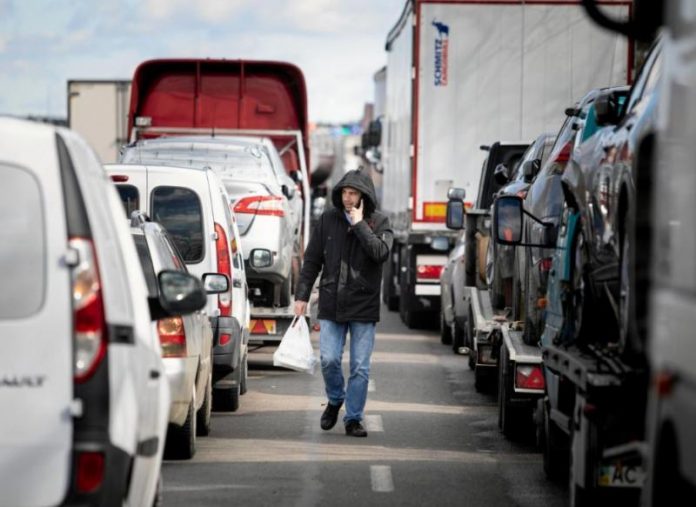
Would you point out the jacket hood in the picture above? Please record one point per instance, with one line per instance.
(360, 181)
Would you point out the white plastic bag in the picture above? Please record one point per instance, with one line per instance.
(295, 350)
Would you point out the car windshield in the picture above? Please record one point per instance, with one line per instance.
(236, 162)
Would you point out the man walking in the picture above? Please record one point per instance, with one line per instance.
(348, 245)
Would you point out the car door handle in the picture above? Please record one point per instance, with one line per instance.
(155, 374)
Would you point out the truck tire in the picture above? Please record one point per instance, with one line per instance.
(509, 418)
(480, 384)
(469, 336)
(388, 297)
(555, 450)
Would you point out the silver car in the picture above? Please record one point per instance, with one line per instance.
(266, 201)
(186, 341)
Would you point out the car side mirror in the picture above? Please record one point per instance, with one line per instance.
(260, 258)
(455, 214)
(215, 283)
(180, 293)
(501, 174)
(507, 220)
(530, 169)
(607, 109)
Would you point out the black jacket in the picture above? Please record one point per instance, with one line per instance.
(349, 257)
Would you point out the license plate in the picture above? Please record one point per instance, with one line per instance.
(619, 475)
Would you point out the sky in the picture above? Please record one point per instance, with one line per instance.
(339, 45)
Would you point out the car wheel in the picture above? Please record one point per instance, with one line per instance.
(245, 375)
(445, 330)
(226, 400)
(181, 441)
(204, 413)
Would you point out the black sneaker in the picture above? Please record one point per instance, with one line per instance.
(330, 416)
(355, 429)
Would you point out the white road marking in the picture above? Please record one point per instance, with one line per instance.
(381, 479)
(371, 385)
(204, 487)
(374, 423)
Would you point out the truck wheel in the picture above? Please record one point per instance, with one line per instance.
(480, 383)
(388, 296)
(555, 450)
(469, 336)
(509, 419)
(445, 330)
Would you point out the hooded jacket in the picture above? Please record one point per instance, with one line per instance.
(349, 257)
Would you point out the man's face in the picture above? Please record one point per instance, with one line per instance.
(350, 197)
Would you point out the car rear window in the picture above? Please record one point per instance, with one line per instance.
(129, 197)
(146, 264)
(22, 244)
(179, 211)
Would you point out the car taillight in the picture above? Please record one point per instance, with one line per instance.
(172, 336)
(545, 264)
(261, 205)
(88, 311)
(224, 266)
(529, 377)
(429, 272)
(90, 471)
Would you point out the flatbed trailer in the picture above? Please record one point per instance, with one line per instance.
(596, 406)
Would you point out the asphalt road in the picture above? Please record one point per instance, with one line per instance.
(432, 440)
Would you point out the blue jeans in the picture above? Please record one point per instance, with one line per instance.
(332, 339)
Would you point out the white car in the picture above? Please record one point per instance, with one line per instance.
(266, 200)
(193, 206)
(84, 396)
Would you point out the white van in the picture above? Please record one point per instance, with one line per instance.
(83, 393)
(193, 206)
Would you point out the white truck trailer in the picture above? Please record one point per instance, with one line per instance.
(98, 110)
(465, 73)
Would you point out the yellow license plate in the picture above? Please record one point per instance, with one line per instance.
(619, 475)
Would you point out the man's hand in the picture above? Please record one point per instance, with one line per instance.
(356, 213)
(300, 308)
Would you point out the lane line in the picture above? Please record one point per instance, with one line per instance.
(374, 423)
(204, 487)
(371, 385)
(381, 479)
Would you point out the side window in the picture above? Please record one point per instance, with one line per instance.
(22, 243)
(146, 264)
(179, 211)
(129, 198)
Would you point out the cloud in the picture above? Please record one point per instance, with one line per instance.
(212, 11)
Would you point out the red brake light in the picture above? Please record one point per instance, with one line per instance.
(429, 272)
(225, 338)
(90, 471)
(119, 178)
(564, 155)
(261, 205)
(529, 377)
(545, 264)
(88, 311)
(224, 265)
(172, 336)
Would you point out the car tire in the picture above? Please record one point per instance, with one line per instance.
(204, 414)
(509, 418)
(181, 441)
(226, 400)
(245, 375)
(445, 330)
